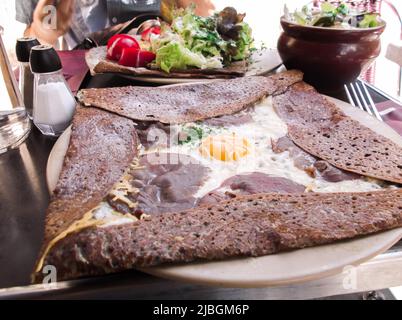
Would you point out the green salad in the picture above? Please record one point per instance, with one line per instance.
(202, 42)
(333, 16)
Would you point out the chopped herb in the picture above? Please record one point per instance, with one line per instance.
(190, 135)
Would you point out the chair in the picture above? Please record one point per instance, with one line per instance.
(394, 50)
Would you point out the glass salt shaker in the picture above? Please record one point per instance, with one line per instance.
(54, 103)
(26, 79)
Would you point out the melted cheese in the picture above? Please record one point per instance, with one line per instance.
(85, 222)
(121, 196)
(123, 188)
(102, 215)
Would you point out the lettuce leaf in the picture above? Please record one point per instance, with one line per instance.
(328, 7)
(176, 56)
(245, 42)
(369, 21)
(199, 34)
(195, 41)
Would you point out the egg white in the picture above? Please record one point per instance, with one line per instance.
(266, 125)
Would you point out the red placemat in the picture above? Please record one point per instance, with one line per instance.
(74, 67)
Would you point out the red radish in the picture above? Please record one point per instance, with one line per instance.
(135, 58)
(146, 34)
(117, 43)
(117, 36)
(145, 58)
(129, 57)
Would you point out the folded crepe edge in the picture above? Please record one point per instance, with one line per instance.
(258, 223)
(71, 207)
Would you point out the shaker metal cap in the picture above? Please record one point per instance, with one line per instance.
(44, 59)
(23, 48)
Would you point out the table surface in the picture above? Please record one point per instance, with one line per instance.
(23, 201)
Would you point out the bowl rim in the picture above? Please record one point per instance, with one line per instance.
(383, 25)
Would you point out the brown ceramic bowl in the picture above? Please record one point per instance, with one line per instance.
(329, 57)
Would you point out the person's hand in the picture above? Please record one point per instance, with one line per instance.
(203, 7)
(50, 24)
(59, 21)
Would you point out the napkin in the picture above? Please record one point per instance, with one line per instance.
(393, 119)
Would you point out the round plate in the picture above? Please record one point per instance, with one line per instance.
(264, 61)
(56, 159)
(277, 269)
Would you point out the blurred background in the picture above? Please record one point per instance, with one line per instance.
(263, 16)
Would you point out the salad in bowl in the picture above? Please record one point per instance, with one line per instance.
(331, 44)
(331, 15)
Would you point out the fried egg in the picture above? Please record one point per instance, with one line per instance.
(238, 149)
(234, 150)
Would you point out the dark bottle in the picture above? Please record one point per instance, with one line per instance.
(26, 81)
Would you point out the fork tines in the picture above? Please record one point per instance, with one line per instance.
(359, 96)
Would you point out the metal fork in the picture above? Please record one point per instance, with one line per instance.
(359, 96)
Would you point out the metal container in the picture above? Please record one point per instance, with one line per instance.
(26, 79)
(14, 122)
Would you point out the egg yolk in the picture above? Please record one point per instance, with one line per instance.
(225, 147)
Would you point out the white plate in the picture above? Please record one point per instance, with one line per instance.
(278, 269)
(264, 61)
